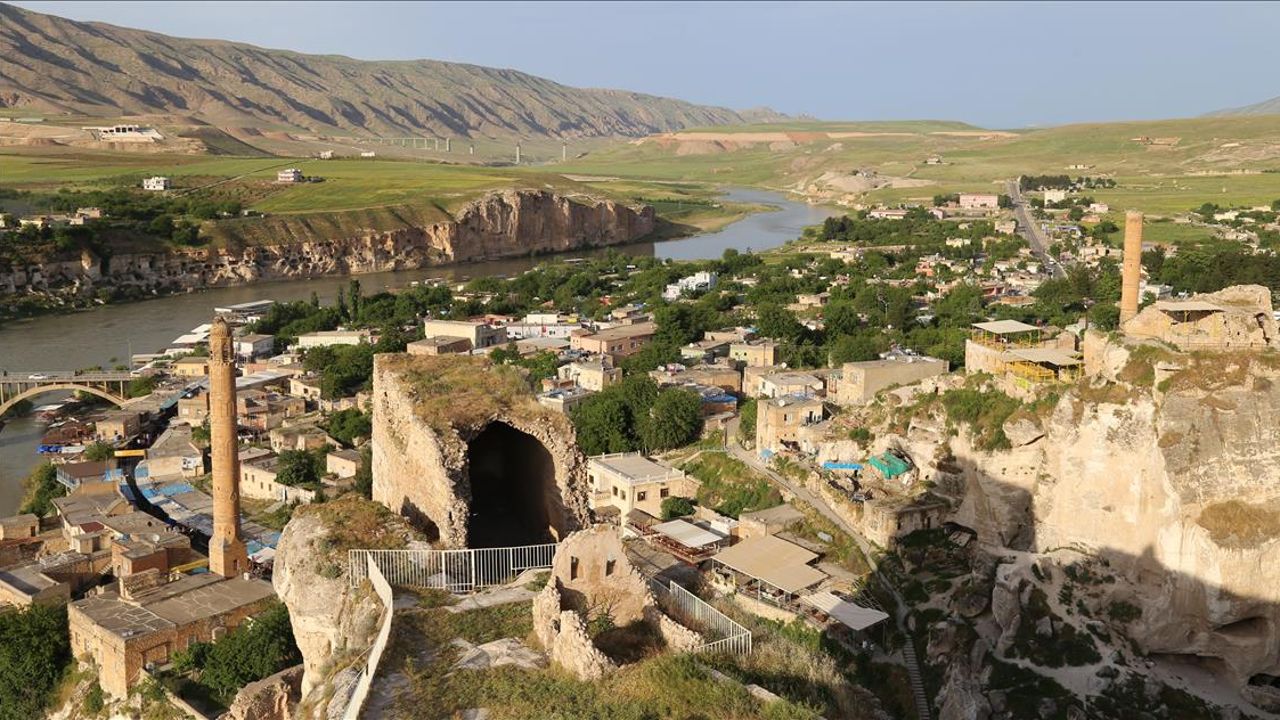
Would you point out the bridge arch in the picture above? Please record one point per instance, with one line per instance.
(55, 387)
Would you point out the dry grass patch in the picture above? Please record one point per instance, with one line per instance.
(1237, 524)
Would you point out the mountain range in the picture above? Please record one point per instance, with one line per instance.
(55, 65)
(1266, 107)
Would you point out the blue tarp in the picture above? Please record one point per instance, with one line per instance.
(829, 465)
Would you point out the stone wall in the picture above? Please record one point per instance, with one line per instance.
(272, 698)
(421, 431)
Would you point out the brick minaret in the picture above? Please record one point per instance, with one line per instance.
(227, 554)
(1131, 268)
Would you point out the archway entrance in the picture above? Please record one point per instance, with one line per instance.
(514, 496)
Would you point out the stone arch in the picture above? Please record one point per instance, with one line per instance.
(511, 482)
(56, 387)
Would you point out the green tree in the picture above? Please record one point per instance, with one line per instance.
(141, 386)
(363, 480)
(299, 468)
(35, 650)
(346, 426)
(676, 506)
(251, 652)
(603, 422)
(39, 490)
(99, 451)
(675, 420)
(747, 420)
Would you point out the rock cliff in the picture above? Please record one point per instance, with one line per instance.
(334, 623)
(1173, 483)
(514, 223)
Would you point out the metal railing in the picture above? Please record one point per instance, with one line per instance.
(722, 632)
(457, 571)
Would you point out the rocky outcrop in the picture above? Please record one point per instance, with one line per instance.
(333, 622)
(515, 223)
(427, 410)
(1171, 478)
(272, 698)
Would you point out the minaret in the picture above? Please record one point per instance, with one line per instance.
(227, 554)
(1131, 265)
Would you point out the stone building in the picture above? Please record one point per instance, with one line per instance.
(1234, 318)
(591, 581)
(462, 448)
(143, 623)
(629, 481)
(780, 420)
(616, 342)
(860, 381)
(754, 353)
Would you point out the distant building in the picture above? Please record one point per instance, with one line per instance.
(325, 155)
(754, 354)
(1052, 195)
(979, 201)
(790, 383)
(439, 345)
(191, 366)
(479, 334)
(74, 476)
(156, 183)
(860, 381)
(324, 338)
(698, 282)
(253, 346)
(886, 214)
(289, 175)
(617, 342)
(343, 463)
(594, 375)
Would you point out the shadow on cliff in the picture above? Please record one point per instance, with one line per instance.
(1183, 621)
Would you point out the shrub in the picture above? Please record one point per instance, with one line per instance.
(676, 506)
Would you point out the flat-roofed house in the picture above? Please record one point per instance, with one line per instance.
(480, 334)
(630, 481)
(617, 342)
(755, 353)
(860, 381)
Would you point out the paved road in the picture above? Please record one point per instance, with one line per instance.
(1030, 229)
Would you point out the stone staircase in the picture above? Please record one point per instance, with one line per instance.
(917, 684)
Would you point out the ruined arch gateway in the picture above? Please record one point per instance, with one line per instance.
(463, 450)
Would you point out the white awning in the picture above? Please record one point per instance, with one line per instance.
(687, 534)
(849, 614)
(1005, 327)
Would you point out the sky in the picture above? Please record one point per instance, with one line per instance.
(998, 65)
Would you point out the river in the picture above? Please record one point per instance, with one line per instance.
(110, 334)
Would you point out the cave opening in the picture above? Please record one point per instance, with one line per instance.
(514, 497)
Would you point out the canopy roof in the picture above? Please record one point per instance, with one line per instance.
(1005, 327)
(773, 560)
(687, 534)
(850, 614)
(1050, 356)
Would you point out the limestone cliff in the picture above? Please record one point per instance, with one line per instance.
(334, 623)
(1169, 470)
(514, 223)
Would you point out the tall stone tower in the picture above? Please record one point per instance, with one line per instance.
(1131, 270)
(227, 554)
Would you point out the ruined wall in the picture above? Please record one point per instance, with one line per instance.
(499, 225)
(1244, 322)
(426, 409)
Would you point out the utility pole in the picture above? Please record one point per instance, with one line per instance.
(517, 153)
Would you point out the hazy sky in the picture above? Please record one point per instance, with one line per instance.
(994, 64)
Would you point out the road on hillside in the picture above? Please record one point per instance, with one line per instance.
(1030, 230)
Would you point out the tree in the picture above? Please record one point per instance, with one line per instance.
(99, 451)
(676, 506)
(141, 386)
(253, 651)
(363, 480)
(602, 423)
(346, 426)
(39, 490)
(775, 321)
(747, 420)
(34, 652)
(674, 421)
(299, 468)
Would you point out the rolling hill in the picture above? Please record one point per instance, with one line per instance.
(1266, 107)
(55, 65)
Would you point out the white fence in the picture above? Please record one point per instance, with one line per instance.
(361, 692)
(457, 571)
(723, 633)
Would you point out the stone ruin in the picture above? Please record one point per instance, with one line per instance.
(463, 450)
(1234, 318)
(594, 586)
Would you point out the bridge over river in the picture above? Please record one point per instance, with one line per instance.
(16, 386)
